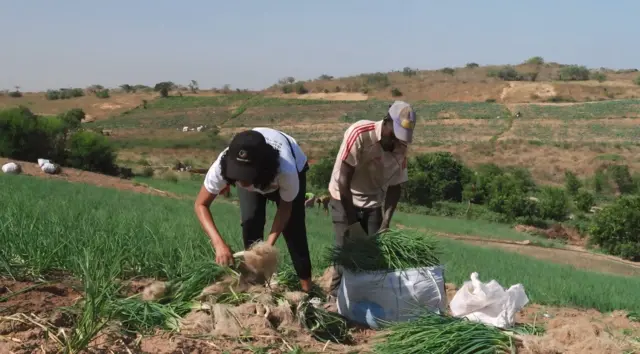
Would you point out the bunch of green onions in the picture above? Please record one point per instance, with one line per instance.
(437, 334)
(387, 251)
(322, 324)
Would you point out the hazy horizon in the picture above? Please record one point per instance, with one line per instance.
(252, 44)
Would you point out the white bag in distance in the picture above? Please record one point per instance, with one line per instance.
(12, 168)
(488, 302)
(50, 168)
(391, 296)
(41, 162)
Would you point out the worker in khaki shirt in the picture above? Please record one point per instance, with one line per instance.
(369, 169)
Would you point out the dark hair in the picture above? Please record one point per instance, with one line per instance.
(267, 165)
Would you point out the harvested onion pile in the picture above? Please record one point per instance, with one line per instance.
(438, 334)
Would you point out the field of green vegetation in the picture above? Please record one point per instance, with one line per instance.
(50, 225)
(444, 122)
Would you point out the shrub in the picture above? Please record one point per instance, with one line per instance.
(600, 181)
(507, 73)
(396, 92)
(554, 204)
(615, 228)
(147, 171)
(535, 61)
(104, 93)
(571, 183)
(92, 152)
(287, 89)
(472, 65)
(320, 173)
(574, 73)
(15, 94)
(73, 118)
(380, 80)
(448, 71)
(622, 178)
(26, 136)
(584, 200)
(505, 196)
(599, 76)
(444, 175)
(407, 71)
(300, 89)
(637, 80)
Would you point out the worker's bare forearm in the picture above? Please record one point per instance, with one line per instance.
(283, 214)
(390, 203)
(201, 208)
(346, 197)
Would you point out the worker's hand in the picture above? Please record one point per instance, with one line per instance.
(224, 256)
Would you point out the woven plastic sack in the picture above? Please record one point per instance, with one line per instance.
(50, 168)
(488, 302)
(12, 168)
(41, 162)
(391, 296)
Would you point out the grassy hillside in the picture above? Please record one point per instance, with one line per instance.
(469, 111)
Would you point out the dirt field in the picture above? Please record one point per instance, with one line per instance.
(29, 319)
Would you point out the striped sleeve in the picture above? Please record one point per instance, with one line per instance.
(353, 142)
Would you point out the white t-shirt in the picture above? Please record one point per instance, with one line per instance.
(287, 178)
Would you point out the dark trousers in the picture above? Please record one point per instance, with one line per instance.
(369, 218)
(252, 213)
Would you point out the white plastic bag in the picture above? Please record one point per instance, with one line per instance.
(12, 168)
(41, 162)
(50, 168)
(488, 302)
(394, 296)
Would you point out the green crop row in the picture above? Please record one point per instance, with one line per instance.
(50, 224)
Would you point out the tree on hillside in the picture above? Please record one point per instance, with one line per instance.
(127, 88)
(193, 86)
(574, 73)
(535, 61)
(164, 87)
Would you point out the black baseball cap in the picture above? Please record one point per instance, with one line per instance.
(244, 154)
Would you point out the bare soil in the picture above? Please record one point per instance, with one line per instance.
(26, 317)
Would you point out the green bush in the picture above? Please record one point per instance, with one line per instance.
(637, 80)
(507, 73)
(615, 228)
(481, 185)
(92, 152)
(319, 174)
(622, 178)
(395, 92)
(64, 94)
(300, 89)
(571, 183)
(600, 181)
(448, 71)
(407, 71)
(73, 117)
(584, 200)
(535, 61)
(505, 194)
(472, 65)
(554, 203)
(599, 76)
(26, 136)
(104, 93)
(574, 73)
(444, 175)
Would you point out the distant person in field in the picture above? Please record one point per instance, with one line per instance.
(370, 167)
(264, 164)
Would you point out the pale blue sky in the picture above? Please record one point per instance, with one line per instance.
(252, 43)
